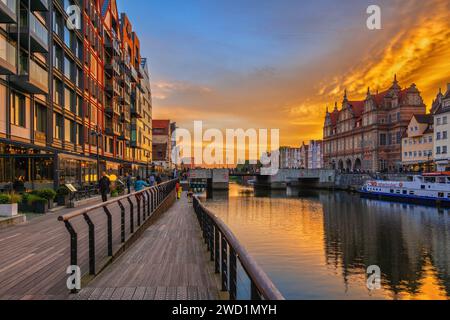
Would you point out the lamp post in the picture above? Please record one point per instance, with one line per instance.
(97, 133)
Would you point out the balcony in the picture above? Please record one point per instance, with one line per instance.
(112, 66)
(36, 31)
(134, 74)
(8, 11)
(39, 5)
(32, 78)
(8, 62)
(136, 112)
(113, 46)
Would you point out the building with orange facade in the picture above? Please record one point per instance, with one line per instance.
(366, 135)
(74, 101)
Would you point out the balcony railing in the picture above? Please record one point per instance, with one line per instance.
(8, 55)
(31, 77)
(39, 5)
(8, 11)
(39, 29)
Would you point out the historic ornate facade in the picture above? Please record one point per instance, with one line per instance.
(366, 135)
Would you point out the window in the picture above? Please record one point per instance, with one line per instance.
(58, 57)
(444, 150)
(67, 130)
(58, 120)
(67, 99)
(444, 135)
(18, 110)
(438, 150)
(40, 118)
(438, 136)
(382, 139)
(67, 37)
(68, 68)
(79, 106)
(444, 120)
(57, 92)
(438, 121)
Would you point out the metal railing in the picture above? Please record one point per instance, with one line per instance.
(141, 206)
(225, 251)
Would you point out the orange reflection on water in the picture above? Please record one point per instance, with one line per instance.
(318, 245)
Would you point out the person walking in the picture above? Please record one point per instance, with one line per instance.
(152, 180)
(158, 179)
(140, 184)
(128, 181)
(104, 186)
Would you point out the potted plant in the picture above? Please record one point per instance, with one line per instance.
(24, 205)
(62, 196)
(9, 205)
(39, 205)
(49, 195)
(114, 194)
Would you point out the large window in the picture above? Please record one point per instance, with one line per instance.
(57, 92)
(58, 57)
(58, 120)
(18, 110)
(67, 130)
(40, 118)
(68, 68)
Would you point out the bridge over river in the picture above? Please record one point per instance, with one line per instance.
(143, 246)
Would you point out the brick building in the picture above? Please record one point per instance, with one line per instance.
(367, 134)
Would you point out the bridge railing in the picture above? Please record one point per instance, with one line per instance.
(225, 251)
(99, 232)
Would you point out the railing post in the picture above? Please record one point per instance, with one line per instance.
(233, 274)
(73, 247)
(152, 197)
(149, 210)
(224, 264)
(91, 244)
(138, 200)
(216, 250)
(122, 221)
(73, 243)
(211, 239)
(109, 229)
(144, 206)
(254, 292)
(131, 215)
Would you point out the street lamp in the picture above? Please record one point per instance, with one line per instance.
(97, 133)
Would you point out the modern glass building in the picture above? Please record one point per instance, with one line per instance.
(68, 98)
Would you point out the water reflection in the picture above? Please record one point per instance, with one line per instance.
(317, 245)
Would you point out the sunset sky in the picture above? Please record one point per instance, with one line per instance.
(277, 64)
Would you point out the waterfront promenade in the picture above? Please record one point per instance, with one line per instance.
(166, 261)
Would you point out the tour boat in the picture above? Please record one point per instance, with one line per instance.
(429, 188)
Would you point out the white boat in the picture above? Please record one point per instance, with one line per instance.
(430, 188)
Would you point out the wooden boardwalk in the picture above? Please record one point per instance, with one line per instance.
(168, 262)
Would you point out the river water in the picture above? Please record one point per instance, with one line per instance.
(318, 244)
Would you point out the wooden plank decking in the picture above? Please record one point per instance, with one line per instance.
(168, 262)
(34, 257)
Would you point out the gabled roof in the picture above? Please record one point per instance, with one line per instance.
(424, 118)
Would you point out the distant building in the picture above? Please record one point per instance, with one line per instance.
(441, 111)
(367, 134)
(315, 155)
(289, 158)
(162, 144)
(304, 156)
(417, 145)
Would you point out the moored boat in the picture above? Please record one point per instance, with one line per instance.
(429, 188)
